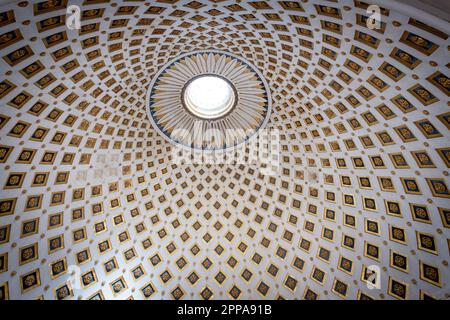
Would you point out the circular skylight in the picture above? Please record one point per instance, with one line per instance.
(208, 100)
(209, 97)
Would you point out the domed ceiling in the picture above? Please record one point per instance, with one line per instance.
(93, 205)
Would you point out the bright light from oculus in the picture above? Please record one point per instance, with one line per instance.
(209, 97)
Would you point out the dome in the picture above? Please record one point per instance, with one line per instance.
(352, 201)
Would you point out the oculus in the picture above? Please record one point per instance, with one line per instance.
(208, 100)
(209, 97)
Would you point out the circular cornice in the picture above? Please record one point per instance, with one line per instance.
(171, 117)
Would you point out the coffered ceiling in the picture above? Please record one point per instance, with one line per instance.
(92, 204)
